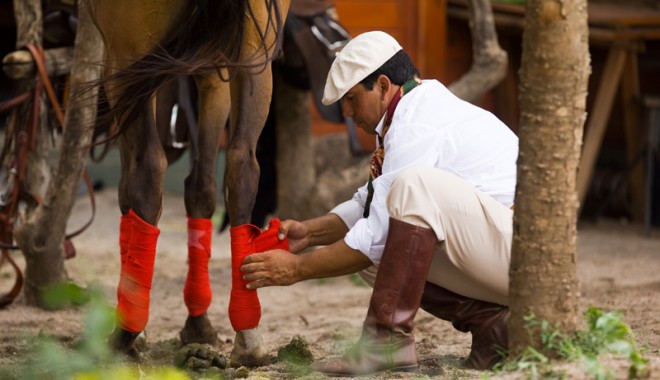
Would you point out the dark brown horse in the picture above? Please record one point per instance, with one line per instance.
(227, 46)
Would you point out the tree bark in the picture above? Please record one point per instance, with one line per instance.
(295, 168)
(29, 25)
(553, 91)
(489, 60)
(42, 235)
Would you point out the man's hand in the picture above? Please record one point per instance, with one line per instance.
(297, 233)
(280, 267)
(276, 267)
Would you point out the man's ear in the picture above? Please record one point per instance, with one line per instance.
(384, 84)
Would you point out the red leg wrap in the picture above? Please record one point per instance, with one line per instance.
(244, 307)
(125, 230)
(197, 292)
(137, 273)
(268, 239)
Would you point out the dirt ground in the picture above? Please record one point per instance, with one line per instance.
(618, 268)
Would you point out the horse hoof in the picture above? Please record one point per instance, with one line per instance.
(198, 330)
(249, 350)
(126, 342)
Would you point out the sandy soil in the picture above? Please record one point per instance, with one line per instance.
(618, 268)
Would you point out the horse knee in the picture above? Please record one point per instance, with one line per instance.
(151, 166)
(240, 151)
(242, 159)
(200, 196)
(142, 184)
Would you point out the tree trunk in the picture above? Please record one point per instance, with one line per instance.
(553, 90)
(489, 60)
(42, 236)
(295, 164)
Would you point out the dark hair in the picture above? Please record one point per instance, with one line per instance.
(399, 69)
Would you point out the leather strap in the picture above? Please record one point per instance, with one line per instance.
(39, 58)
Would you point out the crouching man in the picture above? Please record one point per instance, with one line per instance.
(431, 228)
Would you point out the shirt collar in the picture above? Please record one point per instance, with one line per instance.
(379, 127)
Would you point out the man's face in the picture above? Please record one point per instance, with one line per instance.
(364, 106)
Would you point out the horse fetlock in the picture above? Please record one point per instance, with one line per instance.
(249, 349)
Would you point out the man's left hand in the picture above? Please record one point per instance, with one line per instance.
(271, 268)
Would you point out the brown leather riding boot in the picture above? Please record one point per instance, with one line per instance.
(387, 341)
(486, 321)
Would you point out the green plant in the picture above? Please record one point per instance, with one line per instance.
(606, 333)
(90, 357)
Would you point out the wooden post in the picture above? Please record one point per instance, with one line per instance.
(632, 110)
(600, 113)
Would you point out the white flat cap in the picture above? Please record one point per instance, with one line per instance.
(360, 57)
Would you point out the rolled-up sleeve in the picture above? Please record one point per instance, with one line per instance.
(365, 234)
(368, 235)
(349, 212)
(361, 237)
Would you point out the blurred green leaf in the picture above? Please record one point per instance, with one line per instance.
(65, 294)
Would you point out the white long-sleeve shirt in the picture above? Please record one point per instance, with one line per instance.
(431, 127)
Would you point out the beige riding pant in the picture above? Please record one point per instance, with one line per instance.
(474, 232)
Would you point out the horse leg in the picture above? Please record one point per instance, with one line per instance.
(143, 165)
(251, 92)
(250, 105)
(200, 196)
(131, 30)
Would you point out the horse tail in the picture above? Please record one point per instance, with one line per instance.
(210, 39)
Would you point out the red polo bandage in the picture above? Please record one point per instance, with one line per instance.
(125, 230)
(137, 273)
(197, 292)
(244, 307)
